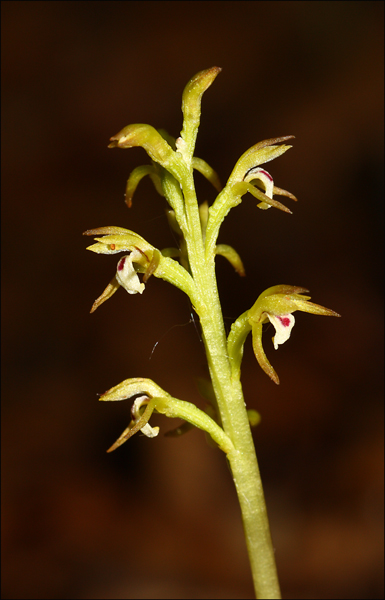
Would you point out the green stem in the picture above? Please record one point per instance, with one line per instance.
(231, 405)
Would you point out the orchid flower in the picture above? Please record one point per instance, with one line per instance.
(143, 258)
(276, 304)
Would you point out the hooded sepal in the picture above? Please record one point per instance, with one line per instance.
(258, 154)
(153, 143)
(117, 239)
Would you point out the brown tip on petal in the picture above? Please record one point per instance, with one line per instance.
(100, 231)
(270, 372)
(281, 207)
(295, 289)
(283, 138)
(277, 140)
(280, 192)
(113, 447)
(214, 70)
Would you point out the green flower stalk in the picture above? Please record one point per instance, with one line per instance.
(191, 268)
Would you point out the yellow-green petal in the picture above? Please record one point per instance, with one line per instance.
(110, 290)
(260, 354)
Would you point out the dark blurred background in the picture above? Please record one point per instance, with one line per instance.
(159, 518)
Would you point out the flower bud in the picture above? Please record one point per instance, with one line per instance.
(153, 143)
(193, 92)
(191, 108)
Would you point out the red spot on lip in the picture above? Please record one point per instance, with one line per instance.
(121, 263)
(258, 171)
(266, 174)
(285, 321)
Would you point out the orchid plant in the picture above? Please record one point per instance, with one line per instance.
(191, 268)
